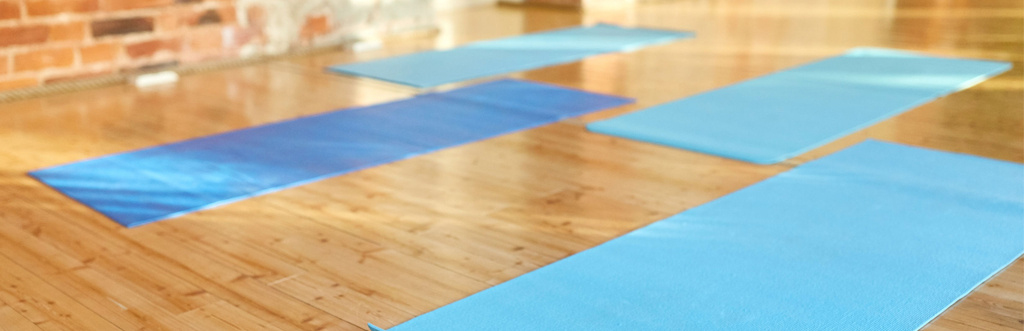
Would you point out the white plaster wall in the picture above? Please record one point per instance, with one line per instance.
(283, 20)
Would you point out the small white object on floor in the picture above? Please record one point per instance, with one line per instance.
(364, 45)
(158, 78)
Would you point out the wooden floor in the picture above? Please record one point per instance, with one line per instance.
(389, 243)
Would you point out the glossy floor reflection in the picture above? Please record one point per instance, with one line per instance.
(392, 242)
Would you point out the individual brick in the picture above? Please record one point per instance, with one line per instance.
(315, 26)
(203, 44)
(9, 10)
(24, 35)
(71, 31)
(100, 53)
(209, 17)
(567, 3)
(54, 7)
(115, 5)
(121, 26)
(175, 19)
(44, 59)
(149, 48)
(227, 14)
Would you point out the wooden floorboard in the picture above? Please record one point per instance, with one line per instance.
(392, 242)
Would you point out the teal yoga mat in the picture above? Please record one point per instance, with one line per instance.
(502, 56)
(775, 117)
(875, 237)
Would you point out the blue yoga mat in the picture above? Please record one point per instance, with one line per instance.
(875, 237)
(147, 185)
(501, 56)
(781, 115)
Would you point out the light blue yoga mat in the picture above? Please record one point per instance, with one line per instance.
(875, 237)
(501, 56)
(151, 184)
(775, 117)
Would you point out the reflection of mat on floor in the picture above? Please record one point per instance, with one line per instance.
(875, 237)
(507, 55)
(775, 117)
(165, 181)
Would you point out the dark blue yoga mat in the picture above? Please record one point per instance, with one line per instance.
(875, 237)
(501, 56)
(775, 117)
(147, 185)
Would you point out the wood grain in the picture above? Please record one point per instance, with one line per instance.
(388, 243)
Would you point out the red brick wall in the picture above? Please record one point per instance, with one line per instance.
(44, 41)
(563, 3)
